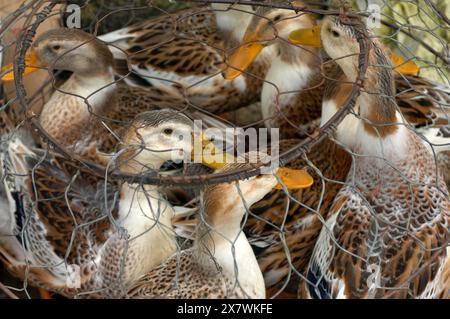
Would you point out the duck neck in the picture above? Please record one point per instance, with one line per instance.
(291, 70)
(219, 231)
(67, 115)
(378, 132)
(133, 163)
(220, 228)
(144, 217)
(223, 239)
(96, 88)
(232, 23)
(141, 207)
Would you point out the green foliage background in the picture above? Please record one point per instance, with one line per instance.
(418, 18)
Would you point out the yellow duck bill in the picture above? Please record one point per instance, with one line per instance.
(293, 178)
(32, 64)
(307, 37)
(207, 153)
(289, 178)
(241, 59)
(311, 37)
(403, 66)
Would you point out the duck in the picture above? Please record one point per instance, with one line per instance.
(76, 232)
(221, 263)
(387, 233)
(298, 215)
(186, 51)
(423, 103)
(292, 101)
(293, 88)
(293, 77)
(88, 113)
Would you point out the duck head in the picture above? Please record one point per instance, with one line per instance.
(158, 136)
(67, 49)
(340, 42)
(155, 137)
(269, 26)
(233, 199)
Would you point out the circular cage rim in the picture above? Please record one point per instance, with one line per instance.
(24, 43)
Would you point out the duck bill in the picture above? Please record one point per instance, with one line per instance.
(208, 154)
(293, 178)
(403, 66)
(307, 37)
(31, 63)
(241, 59)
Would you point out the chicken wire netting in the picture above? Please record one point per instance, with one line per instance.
(66, 200)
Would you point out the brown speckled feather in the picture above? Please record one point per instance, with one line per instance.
(302, 225)
(387, 233)
(67, 224)
(423, 102)
(390, 235)
(221, 264)
(88, 113)
(187, 50)
(301, 116)
(183, 277)
(67, 215)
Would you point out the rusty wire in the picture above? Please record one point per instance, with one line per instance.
(25, 41)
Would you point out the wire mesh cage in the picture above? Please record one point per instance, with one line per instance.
(225, 149)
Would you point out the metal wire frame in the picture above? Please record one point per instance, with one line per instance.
(24, 44)
(152, 177)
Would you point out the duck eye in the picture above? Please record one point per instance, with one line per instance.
(167, 131)
(335, 33)
(278, 17)
(56, 47)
